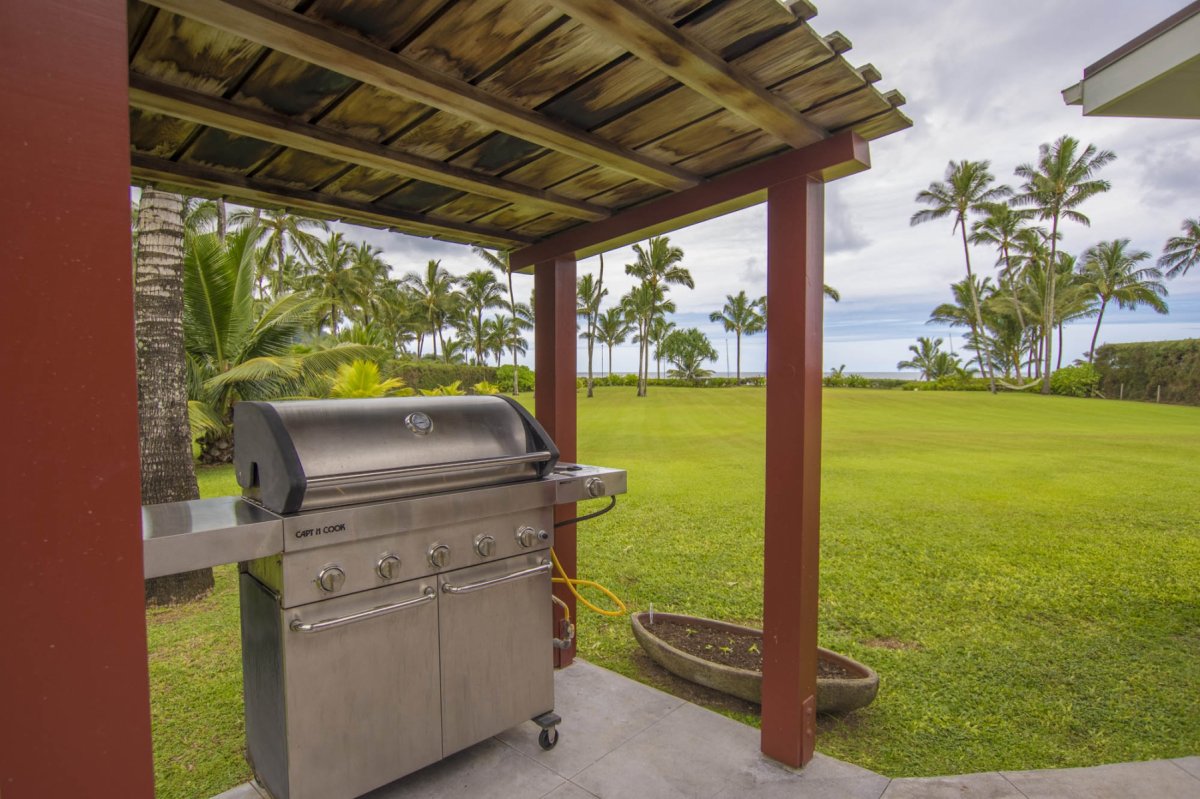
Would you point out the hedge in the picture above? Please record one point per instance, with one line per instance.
(1141, 368)
(431, 374)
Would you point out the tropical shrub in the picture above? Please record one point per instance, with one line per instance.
(1075, 381)
(452, 390)
(361, 379)
(525, 377)
(486, 388)
(1141, 368)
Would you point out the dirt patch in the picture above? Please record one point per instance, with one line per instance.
(891, 643)
(736, 649)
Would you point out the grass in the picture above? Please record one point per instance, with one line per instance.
(1024, 573)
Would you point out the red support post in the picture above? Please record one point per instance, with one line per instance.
(75, 686)
(554, 396)
(795, 277)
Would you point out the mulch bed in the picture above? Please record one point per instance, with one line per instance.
(739, 650)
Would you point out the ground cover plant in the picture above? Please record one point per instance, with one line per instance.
(1022, 571)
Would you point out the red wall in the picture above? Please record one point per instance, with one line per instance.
(76, 718)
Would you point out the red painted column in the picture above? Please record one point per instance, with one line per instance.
(795, 276)
(74, 678)
(554, 362)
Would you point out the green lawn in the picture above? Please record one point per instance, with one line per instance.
(1023, 572)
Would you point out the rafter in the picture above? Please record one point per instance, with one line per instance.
(149, 169)
(656, 41)
(309, 40)
(838, 156)
(153, 95)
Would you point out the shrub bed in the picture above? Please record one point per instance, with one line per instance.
(429, 375)
(1141, 368)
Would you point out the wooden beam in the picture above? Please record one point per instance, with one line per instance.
(257, 192)
(309, 40)
(554, 354)
(656, 41)
(158, 97)
(791, 533)
(76, 687)
(835, 157)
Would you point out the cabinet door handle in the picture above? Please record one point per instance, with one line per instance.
(316, 626)
(469, 587)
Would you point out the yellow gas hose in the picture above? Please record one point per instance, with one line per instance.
(570, 583)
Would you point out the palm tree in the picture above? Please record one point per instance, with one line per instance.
(1061, 181)
(284, 233)
(499, 262)
(612, 328)
(657, 266)
(168, 472)
(377, 290)
(740, 316)
(481, 292)
(336, 276)
(588, 295)
(960, 313)
(1110, 272)
(967, 187)
(928, 358)
(1000, 227)
(434, 293)
(641, 306)
(659, 329)
(688, 350)
(1181, 253)
(234, 349)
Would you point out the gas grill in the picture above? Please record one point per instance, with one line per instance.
(395, 590)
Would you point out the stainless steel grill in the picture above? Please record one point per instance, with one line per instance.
(395, 580)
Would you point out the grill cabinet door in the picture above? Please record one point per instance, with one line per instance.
(363, 704)
(497, 658)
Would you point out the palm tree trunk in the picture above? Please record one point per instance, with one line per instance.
(1096, 332)
(333, 317)
(1060, 346)
(221, 219)
(516, 377)
(984, 360)
(738, 347)
(610, 360)
(168, 474)
(1048, 325)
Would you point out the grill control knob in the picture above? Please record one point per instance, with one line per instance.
(526, 536)
(439, 556)
(595, 487)
(485, 545)
(388, 567)
(331, 579)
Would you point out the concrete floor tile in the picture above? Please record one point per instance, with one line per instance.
(569, 790)
(244, 791)
(985, 785)
(600, 711)
(693, 752)
(1154, 779)
(1189, 764)
(488, 770)
(847, 788)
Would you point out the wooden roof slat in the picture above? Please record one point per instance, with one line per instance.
(155, 96)
(160, 171)
(307, 39)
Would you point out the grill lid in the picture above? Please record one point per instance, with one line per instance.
(301, 455)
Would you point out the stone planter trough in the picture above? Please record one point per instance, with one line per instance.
(834, 694)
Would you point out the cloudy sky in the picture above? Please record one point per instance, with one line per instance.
(983, 81)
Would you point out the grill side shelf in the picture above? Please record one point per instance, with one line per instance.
(182, 536)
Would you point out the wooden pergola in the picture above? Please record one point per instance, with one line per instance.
(551, 129)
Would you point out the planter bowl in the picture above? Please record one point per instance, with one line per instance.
(834, 694)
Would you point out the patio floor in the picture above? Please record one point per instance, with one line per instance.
(624, 740)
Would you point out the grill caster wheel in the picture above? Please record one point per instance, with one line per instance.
(548, 738)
